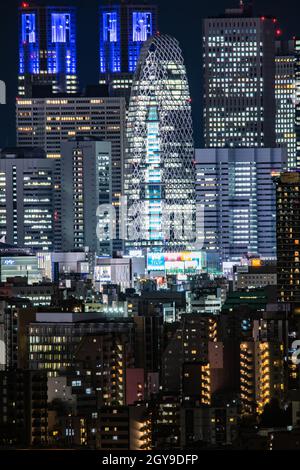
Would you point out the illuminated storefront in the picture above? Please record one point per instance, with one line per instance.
(176, 263)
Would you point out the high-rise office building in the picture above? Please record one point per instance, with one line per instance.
(236, 192)
(86, 191)
(288, 237)
(26, 198)
(48, 122)
(124, 27)
(239, 80)
(285, 99)
(159, 166)
(297, 96)
(47, 49)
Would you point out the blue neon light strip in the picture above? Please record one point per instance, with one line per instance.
(62, 43)
(29, 57)
(142, 29)
(110, 42)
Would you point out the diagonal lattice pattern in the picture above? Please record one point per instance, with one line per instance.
(159, 166)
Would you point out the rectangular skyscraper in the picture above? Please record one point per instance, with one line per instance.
(239, 80)
(124, 27)
(86, 191)
(237, 194)
(288, 237)
(285, 99)
(26, 198)
(48, 122)
(47, 49)
(297, 98)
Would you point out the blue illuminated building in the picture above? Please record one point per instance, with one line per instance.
(123, 30)
(47, 49)
(153, 177)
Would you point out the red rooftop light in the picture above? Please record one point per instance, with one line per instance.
(278, 32)
(25, 5)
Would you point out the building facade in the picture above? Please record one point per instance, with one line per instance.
(288, 237)
(23, 408)
(124, 27)
(297, 95)
(262, 375)
(285, 100)
(49, 122)
(85, 194)
(159, 167)
(47, 49)
(237, 196)
(26, 201)
(239, 79)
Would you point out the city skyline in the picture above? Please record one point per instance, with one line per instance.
(150, 229)
(184, 26)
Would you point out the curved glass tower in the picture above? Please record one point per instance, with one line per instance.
(159, 166)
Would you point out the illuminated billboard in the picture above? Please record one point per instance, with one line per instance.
(156, 262)
(176, 263)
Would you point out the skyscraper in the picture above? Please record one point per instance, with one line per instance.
(236, 191)
(159, 167)
(239, 79)
(48, 122)
(297, 97)
(288, 237)
(285, 99)
(124, 27)
(86, 185)
(26, 198)
(47, 49)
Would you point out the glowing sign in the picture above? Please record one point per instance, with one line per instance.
(175, 263)
(256, 263)
(9, 262)
(156, 262)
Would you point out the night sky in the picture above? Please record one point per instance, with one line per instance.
(180, 18)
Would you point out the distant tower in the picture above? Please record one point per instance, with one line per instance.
(47, 49)
(124, 27)
(288, 237)
(159, 167)
(239, 79)
(285, 100)
(297, 99)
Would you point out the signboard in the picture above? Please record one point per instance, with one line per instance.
(175, 263)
